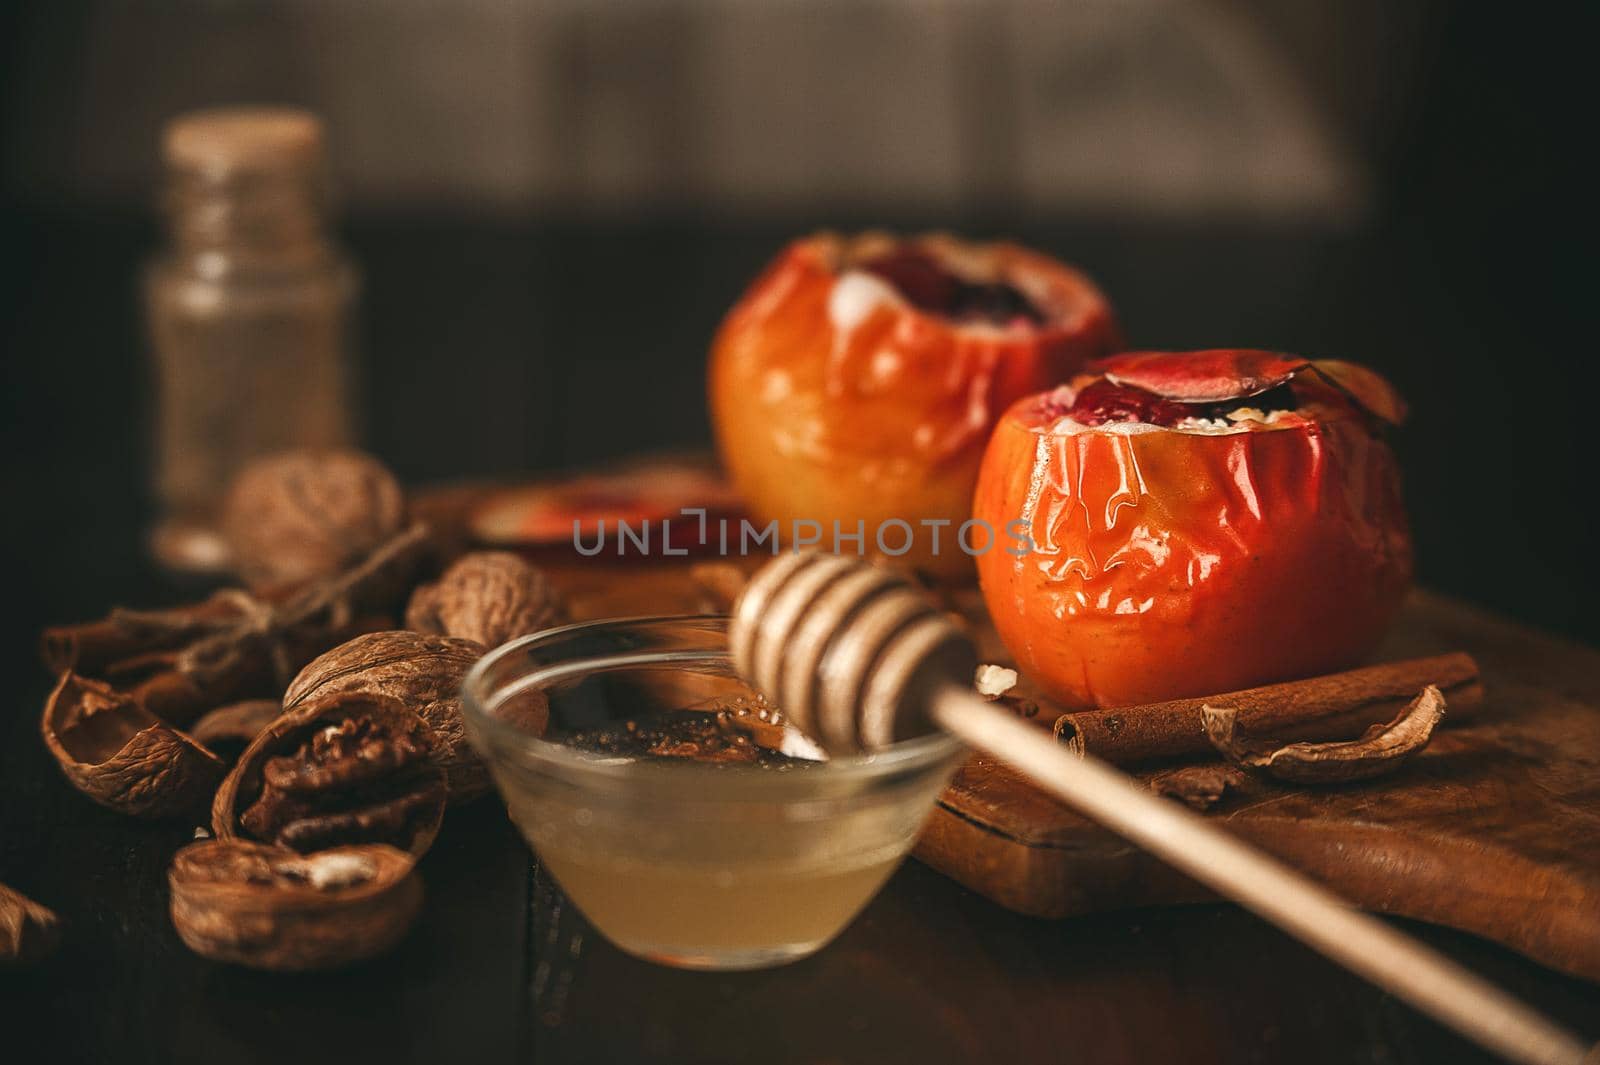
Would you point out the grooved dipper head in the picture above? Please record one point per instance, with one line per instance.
(849, 651)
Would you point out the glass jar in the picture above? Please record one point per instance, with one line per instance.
(249, 310)
(695, 865)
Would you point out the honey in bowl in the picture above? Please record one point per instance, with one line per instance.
(678, 812)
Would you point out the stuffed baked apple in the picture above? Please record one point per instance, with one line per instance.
(858, 379)
(1190, 523)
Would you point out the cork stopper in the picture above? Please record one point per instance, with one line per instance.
(230, 140)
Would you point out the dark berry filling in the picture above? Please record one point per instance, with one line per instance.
(928, 286)
(1102, 401)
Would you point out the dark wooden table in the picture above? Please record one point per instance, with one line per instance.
(502, 968)
(495, 347)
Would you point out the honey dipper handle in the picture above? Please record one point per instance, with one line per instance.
(1361, 943)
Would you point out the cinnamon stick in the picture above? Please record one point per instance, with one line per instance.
(179, 663)
(1318, 708)
(93, 646)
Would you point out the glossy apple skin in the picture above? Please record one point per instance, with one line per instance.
(1168, 564)
(887, 419)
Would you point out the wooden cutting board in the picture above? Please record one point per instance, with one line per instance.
(1494, 829)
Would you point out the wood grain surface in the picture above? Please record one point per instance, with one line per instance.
(1493, 829)
(501, 967)
(517, 330)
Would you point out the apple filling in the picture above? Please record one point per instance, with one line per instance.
(1104, 402)
(929, 285)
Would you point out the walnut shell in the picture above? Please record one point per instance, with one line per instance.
(122, 756)
(229, 729)
(425, 673)
(485, 596)
(346, 768)
(303, 515)
(28, 931)
(268, 907)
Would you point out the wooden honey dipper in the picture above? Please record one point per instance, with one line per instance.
(858, 658)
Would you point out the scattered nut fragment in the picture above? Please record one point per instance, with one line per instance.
(122, 756)
(301, 515)
(350, 768)
(1381, 749)
(227, 730)
(28, 931)
(994, 681)
(268, 907)
(488, 597)
(1199, 787)
(424, 673)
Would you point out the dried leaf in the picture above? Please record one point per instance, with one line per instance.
(1370, 391)
(1381, 749)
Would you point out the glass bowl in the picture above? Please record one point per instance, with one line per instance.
(705, 866)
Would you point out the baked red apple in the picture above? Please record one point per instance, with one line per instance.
(859, 377)
(1182, 524)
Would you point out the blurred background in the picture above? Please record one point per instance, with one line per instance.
(554, 202)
